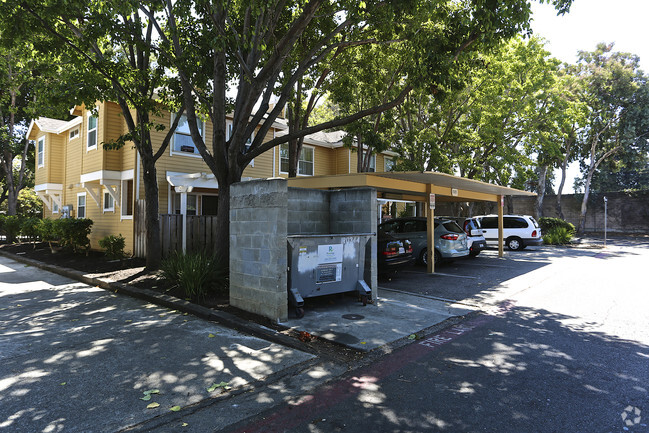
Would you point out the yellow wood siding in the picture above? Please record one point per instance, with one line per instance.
(112, 130)
(263, 164)
(342, 160)
(324, 161)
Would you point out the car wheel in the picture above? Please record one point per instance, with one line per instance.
(474, 253)
(514, 243)
(423, 257)
(438, 257)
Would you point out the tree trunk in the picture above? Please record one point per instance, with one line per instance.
(151, 216)
(543, 172)
(560, 190)
(584, 203)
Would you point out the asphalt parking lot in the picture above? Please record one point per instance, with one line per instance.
(473, 279)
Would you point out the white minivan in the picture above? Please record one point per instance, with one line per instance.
(519, 231)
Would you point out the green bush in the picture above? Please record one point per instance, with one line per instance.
(10, 227)
(114, 246)
(29, 228)
(547, 224)
(197, 274)
(74, 233)
(48, 231)
(558, 236)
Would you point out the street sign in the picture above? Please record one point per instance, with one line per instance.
(432, 201)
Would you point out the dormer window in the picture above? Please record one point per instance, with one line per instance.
(74, 134)
(41, 151)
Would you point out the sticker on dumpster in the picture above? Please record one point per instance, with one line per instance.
(302, 251)
(330, 253)
(329, 273)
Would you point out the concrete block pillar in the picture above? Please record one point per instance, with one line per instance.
(258, 230)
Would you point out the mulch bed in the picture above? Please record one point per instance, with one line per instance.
(95, 263)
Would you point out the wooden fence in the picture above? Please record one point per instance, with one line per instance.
(201, 233)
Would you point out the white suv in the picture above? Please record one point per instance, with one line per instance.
(519, 231)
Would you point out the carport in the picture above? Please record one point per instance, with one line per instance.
(424, 187)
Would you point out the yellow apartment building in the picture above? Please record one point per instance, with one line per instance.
(76, 177)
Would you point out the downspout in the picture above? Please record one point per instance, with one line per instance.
(274, 156)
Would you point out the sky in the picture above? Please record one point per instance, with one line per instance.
(589, 22)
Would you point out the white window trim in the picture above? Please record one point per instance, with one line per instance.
(85, 204)
(77, 134)
(111, 208)
(96, 129)
(171, 144)
(385, 163)
(42, 154)
(304, 146)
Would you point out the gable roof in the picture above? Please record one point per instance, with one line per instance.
(54, 126)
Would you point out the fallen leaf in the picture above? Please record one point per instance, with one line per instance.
(128, 321)
(63, 383)
(153, 405)
(152, 391)
(363, 342)
(211, 336)
(147, 397)
(185, 424)
(223, 385)
(412, 337)
(175, 409)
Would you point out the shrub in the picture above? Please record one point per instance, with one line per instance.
(558, 236)
(197, 274)
(114, 246)
(29, 228)
(48, 231)
(74, 233)
(547, 224)
(11, 227)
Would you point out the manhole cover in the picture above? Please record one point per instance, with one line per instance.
(353, 316)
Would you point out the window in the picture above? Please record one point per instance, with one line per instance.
(191, 204)
(388, 164)
(81, 205)
(92, 132)
(182, 141)
(127, 199)
(74, 134)
(304, 163)
(41, 151)
(109, 202)
(55, 207)
(372, 167)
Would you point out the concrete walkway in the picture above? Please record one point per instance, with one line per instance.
(77, 358)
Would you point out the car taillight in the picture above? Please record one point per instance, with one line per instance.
(450, 237)
(390, 251)
(534, 234)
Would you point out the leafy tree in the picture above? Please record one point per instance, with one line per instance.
(232, 57)
(615, 93)
(112, 47)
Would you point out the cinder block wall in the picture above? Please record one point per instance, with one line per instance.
(258, 229)
(308, 211)
(355, 211)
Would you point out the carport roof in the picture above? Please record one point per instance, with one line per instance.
(412, 185)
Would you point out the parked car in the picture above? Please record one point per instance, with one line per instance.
(450, 239)
(519, 231)
(393, 253)
(475, 239)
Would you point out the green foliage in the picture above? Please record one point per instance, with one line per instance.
(548, 224)
(10, 227)
(114, 246)
(74, 233)
(29, 228)
(558, 236)
(29, 205)
(197, 274)
(48, 231)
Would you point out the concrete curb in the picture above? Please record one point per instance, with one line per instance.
(225, 319)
